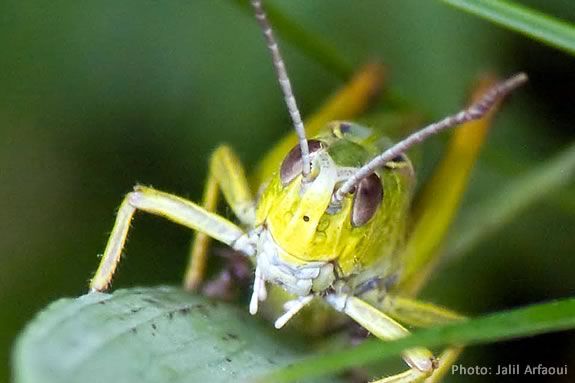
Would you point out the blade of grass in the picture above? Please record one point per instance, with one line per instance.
(527, 321)
(527, 21)
(310, 44)
(509, 164)
(487, 217)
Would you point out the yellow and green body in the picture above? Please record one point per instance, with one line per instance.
(363, 257)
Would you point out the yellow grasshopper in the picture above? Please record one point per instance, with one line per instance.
(332, 224)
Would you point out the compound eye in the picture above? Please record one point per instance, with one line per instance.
(368, 197)
(292, 163)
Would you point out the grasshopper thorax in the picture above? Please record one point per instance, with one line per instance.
(306, 241)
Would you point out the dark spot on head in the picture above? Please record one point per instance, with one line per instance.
(184, 310)
(136, 309)
(306, 218)
(133, 330)
(102, 302)
(399, 158)
(170, 315)
(154, 326)
(228, 360)
(232, 336)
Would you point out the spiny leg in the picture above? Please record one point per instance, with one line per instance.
(444, 363)
(225, 173)
(174, 208)
(421, 360)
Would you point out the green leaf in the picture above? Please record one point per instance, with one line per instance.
(147, 335)
(494, 213)
(524, 20)
(532, 320)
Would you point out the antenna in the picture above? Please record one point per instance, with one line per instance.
(473, 112)
(284, 84)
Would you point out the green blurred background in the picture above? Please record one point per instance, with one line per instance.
(98, 95)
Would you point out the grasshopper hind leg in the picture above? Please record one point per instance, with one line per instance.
(226, 174)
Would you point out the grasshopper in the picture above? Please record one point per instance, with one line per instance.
(330, 224)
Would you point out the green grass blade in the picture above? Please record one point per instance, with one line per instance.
(509, 165)
(528, 321)
(309, 43)
(524, 20)
(488, 216)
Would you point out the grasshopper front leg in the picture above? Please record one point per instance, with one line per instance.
(419, 314)
(380, 320)
(421, 360)
(227, 174)
(174, 208)
(424, 314)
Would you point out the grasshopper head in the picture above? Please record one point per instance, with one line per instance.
(309, 226)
